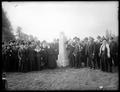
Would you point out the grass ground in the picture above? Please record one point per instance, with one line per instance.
(63, 79)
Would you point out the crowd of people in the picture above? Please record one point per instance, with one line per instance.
(101, 54)
(25, 56)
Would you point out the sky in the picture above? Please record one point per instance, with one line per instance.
(46, 20)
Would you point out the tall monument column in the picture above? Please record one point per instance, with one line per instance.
(62, 57)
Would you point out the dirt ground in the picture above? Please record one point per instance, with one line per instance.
(63, 79)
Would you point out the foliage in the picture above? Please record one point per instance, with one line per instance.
(22, 36)
(7, 33)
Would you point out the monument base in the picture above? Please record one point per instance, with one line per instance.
(62, 62)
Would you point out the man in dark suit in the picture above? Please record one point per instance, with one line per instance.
(44, 55)
(38, 57)
(25, 58)
(31, 57)
(71, 48)
(113, 53)
(10, 58)
(81, 55)
(91, 52)
(56, 48)
(75, 52)
(21, 58)
(97, 50)
(86, 51)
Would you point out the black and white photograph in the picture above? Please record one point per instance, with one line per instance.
(60, 45)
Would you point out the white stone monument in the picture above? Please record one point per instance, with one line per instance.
(62, 57)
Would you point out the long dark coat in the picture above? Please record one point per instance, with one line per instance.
(31, 58)
(38, 59)
(25, 57)
(16, 60)
(71, 56)
(104, 60)
(113, 52)
(97, 57)
(91, 51)
(81, 56)
(52, 58)
(44, 57)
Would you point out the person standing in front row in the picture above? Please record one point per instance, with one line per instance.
(113, 53)
(51, 57)
(97, 49)
(91, 52)
(86, 51)
(105, 55)
(21, 58)
(38, 58)
(71, 48)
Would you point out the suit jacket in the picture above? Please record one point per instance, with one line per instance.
(91, 49)
(97, 48)
(113, 48)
